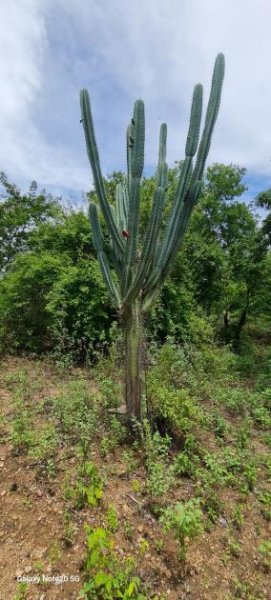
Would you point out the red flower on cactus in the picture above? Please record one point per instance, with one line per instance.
(125, 234)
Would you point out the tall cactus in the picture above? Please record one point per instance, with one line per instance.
(141, 272)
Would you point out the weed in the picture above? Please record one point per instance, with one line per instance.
(262, 417)
(54, 552)
(68, 529)
(112, 519)
(107, 576)
(128, 530)
(185, 519)
(44, 449)
(242, 589)
(265, 551)
(115, 436)
(265, 499)
(183, 465)
(234, 548)
(88, 488)
(77, 411)
(22, 437)
(160, 476)
(22, 591)
(136, 486)
(38, 567)
(143, 546)
(219, 426)
(212, 505)
(250, 474)
(130, 461)
(244, 433)
(159, 545)
(238, 518)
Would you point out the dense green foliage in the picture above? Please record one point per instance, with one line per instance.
(52, 297)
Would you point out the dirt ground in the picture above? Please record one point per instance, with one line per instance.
(32, 508)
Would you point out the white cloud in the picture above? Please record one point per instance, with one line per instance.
(156, 50)
(24, 151)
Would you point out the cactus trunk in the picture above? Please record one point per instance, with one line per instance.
(134, 338)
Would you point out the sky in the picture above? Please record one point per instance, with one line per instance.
(121, 51)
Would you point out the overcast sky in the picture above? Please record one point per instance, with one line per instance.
(122, 50)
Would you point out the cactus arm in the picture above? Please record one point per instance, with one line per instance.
(121, 206)
(152, 233)
(162, 169)
(97, 235)
(133, 220)
(129, 142)
(99, 247)
(93, 155)
(149, 245)
(114, 213)
(172, 222)
(104, 266)
(184, 179)
(136, 133)
(125, 200)
(211, 116)
(195, 121)
(192, 141)
(137, 139)
(161, 274)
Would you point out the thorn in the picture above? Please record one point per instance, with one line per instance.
(81, 120)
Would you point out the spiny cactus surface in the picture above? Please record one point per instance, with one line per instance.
(141, 271)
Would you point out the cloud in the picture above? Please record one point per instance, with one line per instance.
(121, 51)
(25, 151)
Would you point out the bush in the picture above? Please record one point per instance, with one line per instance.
(49, 304)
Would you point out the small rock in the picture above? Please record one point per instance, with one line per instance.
(39, 493)
(223, 522)
(42, 597)
(28, 569)
(3, 493)
(1, 465)
(19, 573)
(140, 528)
(38, 553)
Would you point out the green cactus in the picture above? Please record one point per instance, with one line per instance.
(141, 272)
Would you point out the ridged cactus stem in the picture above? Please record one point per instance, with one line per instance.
(93, 155)
(141, 269)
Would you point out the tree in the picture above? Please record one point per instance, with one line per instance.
(140, 273)
(227, 249)
(19, 214)
(263, 200)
